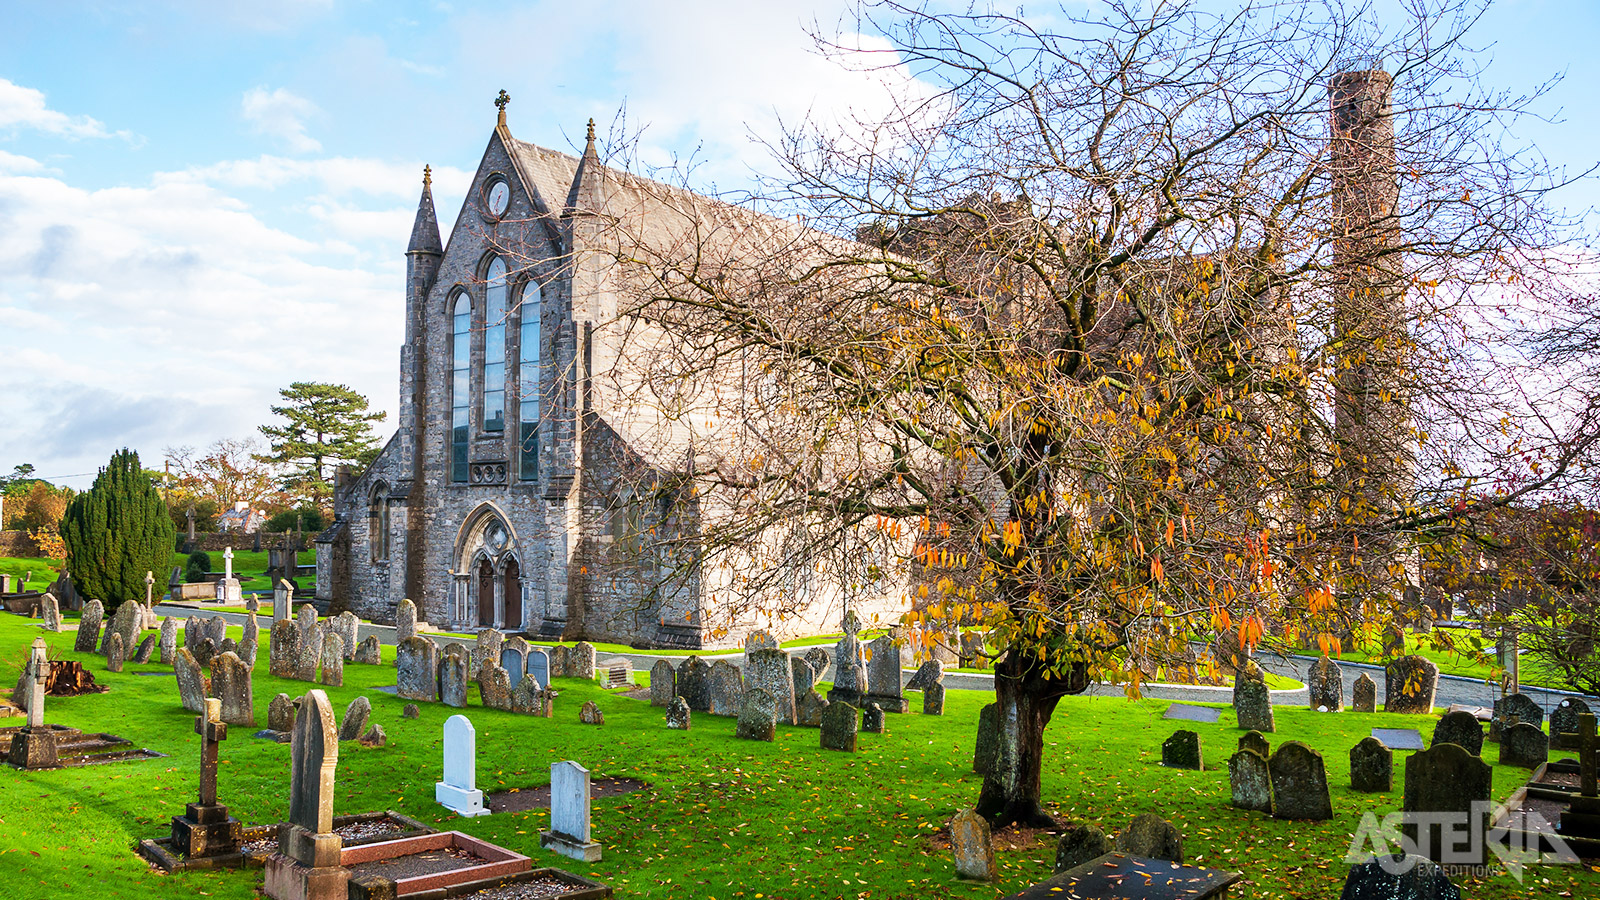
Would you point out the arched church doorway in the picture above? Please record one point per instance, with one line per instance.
(485, 593)
(513, 595)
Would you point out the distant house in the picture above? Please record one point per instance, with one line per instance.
(241, 519)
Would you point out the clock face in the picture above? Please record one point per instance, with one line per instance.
(499, 198)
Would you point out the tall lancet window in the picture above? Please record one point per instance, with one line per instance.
(460, 384)
(528, 382)
(494, 348)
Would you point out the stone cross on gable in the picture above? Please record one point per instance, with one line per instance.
(39, 668)
(212, 731)
(1586, 753)
(227, 562)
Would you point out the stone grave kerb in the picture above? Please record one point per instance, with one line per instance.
(569, 833)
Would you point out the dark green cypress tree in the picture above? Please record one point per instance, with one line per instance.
(116, 531)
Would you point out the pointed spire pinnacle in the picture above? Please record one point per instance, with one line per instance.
(425, 230)
(586, 195)
(427, 177)
(500, 103)
(591, 133)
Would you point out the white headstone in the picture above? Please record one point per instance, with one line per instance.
(282, 595)
(227, 563)
(457, 792)
(569, 800)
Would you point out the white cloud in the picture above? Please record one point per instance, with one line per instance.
(280, 114)
(11, 162)
(24, 108)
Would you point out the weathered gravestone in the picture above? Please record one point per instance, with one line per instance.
(453, 676)
(354, 723)
(230, 682)
(114, 652)
(929, 679)
(758, 717)
(840, 723)
(417, 669)
(580, 662)
(89, 627)
(769, 670)
(590, 714)
(125, 622)
(759, 639)
(883, 675)
(1299, 783)
(986, 746)
(50, 611)
(817, 659)
(217, 628)
(307, 653)
(663, 684)
(346, 626)
(206, 829)
(724, 689)
(805, 677)
(1325, 684)
(205, 650)
(1151, 837)
(169, 640)
(1080, 842)
(405, 621)
(494, 687)
(1447, 779)
(1250, 780)
(1364, 694)
(1182, 751)
(560, 659)
(538, 667)
(194, 631)
(1564, 718)
(692, 683)
(283, 646)
(809, 709)
(1255, 740)
(1516, 707)
(280, 713)
(569, 813)
(410, 711)
(678, 715)
(191, 684)
(458, 792)
(332, 660)
(849, 676)
(249, 640)
(490, 643)
(369, 652)
(1398, 878)
(306, 866)
(531, 699)
(1252, 704)
(147, 649)
(872, 719)
(282, 599)
(1524, 745)
(969, 841)
(1409, 685)
(375, 737)
(1461, 729)
(1371, 767)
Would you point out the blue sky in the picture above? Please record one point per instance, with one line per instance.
(203, 201)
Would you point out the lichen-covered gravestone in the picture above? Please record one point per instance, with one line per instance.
(678, 714)
(147, 649)
(1364, 694)
(280, 713)
(1371, 767)
(494, 687)
(114, 652)
(417, 669)
(1325, 684)
(1255, 740)
(580, 663)
(307, 653)
(1152, 837)
(872, 719)
(759, 639)
(969, 841)
(1252, 704)
(1524, 745)
(1459, 728)
(662, 679)
(191, 684)
(1398, 878)
(758, 718)
(805, 677)
(724, 689)
(987, 743)
(840, 721)
(283, 644)
(490, 642)
(453, 676)
(168, 641)
(1445, 779)
(1516, 706)
(590, 714)
(1250, 780)
(809, 708)
(883, 675)
(89, 627)
(849, 676)
(1410, 683)
(354, 723)
(1299, 783)
(50, 611)
(230, 682)
(769, 670)
(692, 683)
(1182, 751)
(1080, 842)
(332, 660)
(369, 652)
(817, 658)
(405, 621)
(1564, 718)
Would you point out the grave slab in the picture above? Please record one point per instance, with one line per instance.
(1400, 738)
(1132, 878)
(1190, 713)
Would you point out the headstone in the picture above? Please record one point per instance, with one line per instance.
(1182, 751)
(817, 658)
(933, 699)
(1520, 707)
(1250, 779)
(282, 599)
(1325, 684)
(1446, 779)
(494, 687)
(1255, 740)
(677, 714)
(50, 611)
(1410, 683)
(528, 698)
(1151, 837)
(1371, 767)
(971, 651)
(1461, 729)
(375, 736)
(490, 643)
(590, 714)
(249, 640)
(538, 667)
(839, 726)
(230, 682)
(280, 713)
(205, 829)
(283, 648)
(405, 621)
(805, 677)
(580, 663)
(307, 862)
(560, 657)
(929, 673)
(662, 678)
(872, 719)
(725, 689)
(769, 670)
(453, 676)
(569, 813)
(332, 660)
(1524, 745)
(1364, 694)
(191, 684)
(693, 684)
(168, 642)
(986, 746)
(205, 650)
(411, 711)
(1080, 842)
(34, 745)
(883, 675)
(1252, 704)
(809, 709)
(89, 627)
(458, 791)
(417, 669)
(354, 723)
(759, 640)
(228, 590)
(758, 717)
(969, 841)
(1564, 718)
(347, 626)
(1299, 783)
(147, 649)
(514, 660)
(114, 652)
(194, 631)
(849, 675)
(217, 629)
(1398, 878)
(308, 652)
(369, 652)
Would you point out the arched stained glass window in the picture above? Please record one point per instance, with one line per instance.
(528, 383)
(494, 348)
(460, 385)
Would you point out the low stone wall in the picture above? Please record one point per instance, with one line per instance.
(17, 543)
(218, 541)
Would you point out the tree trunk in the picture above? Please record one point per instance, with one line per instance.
(1027, 695)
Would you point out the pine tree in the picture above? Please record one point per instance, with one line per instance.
(117, 531)
(328, 425)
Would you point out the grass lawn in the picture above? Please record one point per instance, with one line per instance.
(722, 818)
(44, 571)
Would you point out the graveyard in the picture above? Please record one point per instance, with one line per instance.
(717, 816)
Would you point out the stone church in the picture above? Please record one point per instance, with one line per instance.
(498, 502)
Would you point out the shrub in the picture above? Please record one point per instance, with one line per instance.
(310, 519)
(117, 531)
(198, 567)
